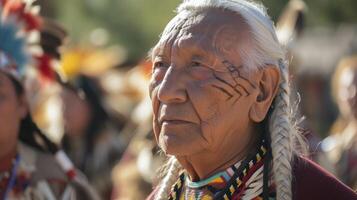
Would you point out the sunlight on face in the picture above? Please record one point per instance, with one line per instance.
(11, 109)
(347, 92)
(76, 113)
(200, 91)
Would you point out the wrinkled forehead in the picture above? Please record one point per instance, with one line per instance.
(208, 29)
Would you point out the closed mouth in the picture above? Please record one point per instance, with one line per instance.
(175, 122)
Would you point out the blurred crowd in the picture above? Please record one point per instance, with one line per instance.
(96, 108)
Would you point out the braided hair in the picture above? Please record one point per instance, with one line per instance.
(171, 174)
(280, 128)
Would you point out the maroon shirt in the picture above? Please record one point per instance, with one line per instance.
(311, 182)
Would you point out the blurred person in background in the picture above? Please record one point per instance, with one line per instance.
(341, 145)
(90, 139)
(134, 175)
(290, 28)
(31, 166)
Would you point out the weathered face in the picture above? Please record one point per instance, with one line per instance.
(347, 92)
(12, 110)
(202, 95)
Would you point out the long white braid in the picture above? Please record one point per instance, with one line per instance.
(172, 174)
(280, 128)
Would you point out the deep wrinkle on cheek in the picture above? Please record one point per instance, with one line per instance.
(156, 110)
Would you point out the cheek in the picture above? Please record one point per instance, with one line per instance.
(9, 106)
(201, 73)
(153, 89)
(76, 115)
(220, 118)
(181, 140)
(156, 78)
(10, 116)
(158, 75)
(205, 99)
(156, 125)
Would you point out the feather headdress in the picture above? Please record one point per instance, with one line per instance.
(20, 40)
(13, 53)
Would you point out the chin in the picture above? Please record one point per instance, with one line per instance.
(181, 143)
(172, 145)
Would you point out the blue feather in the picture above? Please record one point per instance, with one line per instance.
(12, 44)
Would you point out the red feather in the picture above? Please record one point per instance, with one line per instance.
(45, 67)
(32, 22)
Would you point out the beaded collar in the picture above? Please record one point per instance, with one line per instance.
(215, 182)
(224, 185)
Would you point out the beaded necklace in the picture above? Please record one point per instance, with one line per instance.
(12, 178)
(6, 174)
(236, 185)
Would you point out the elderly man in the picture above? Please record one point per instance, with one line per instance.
(220, 96)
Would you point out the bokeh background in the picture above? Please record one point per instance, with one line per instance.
(109, 40)
(135, 26)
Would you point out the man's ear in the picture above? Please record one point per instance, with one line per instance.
(268, 87)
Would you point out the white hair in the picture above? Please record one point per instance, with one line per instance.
(266, 49)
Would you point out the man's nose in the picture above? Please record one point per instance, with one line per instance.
(172, 88)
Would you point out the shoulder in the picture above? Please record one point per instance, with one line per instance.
(42, 171)
(42, 165)
(310, 181)
(47, 178)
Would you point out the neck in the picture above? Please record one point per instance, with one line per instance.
(349, 131)
(352, 123)
(208, 163)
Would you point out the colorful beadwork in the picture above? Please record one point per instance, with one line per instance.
(233, 188)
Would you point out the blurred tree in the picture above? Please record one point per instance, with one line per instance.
(136, 24)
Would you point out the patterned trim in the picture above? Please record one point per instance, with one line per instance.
(242, 175)
(218, 178)
(236, 185)
(177, 188)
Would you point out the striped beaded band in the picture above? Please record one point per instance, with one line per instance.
(237, 182)
(177, 188)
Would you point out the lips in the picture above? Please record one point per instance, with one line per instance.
(176, 114)
(174, 122)
(170, 119)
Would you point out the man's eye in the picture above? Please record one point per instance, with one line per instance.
(159, 64)
(196, 64)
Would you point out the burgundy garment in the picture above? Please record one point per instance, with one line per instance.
(311, 182)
